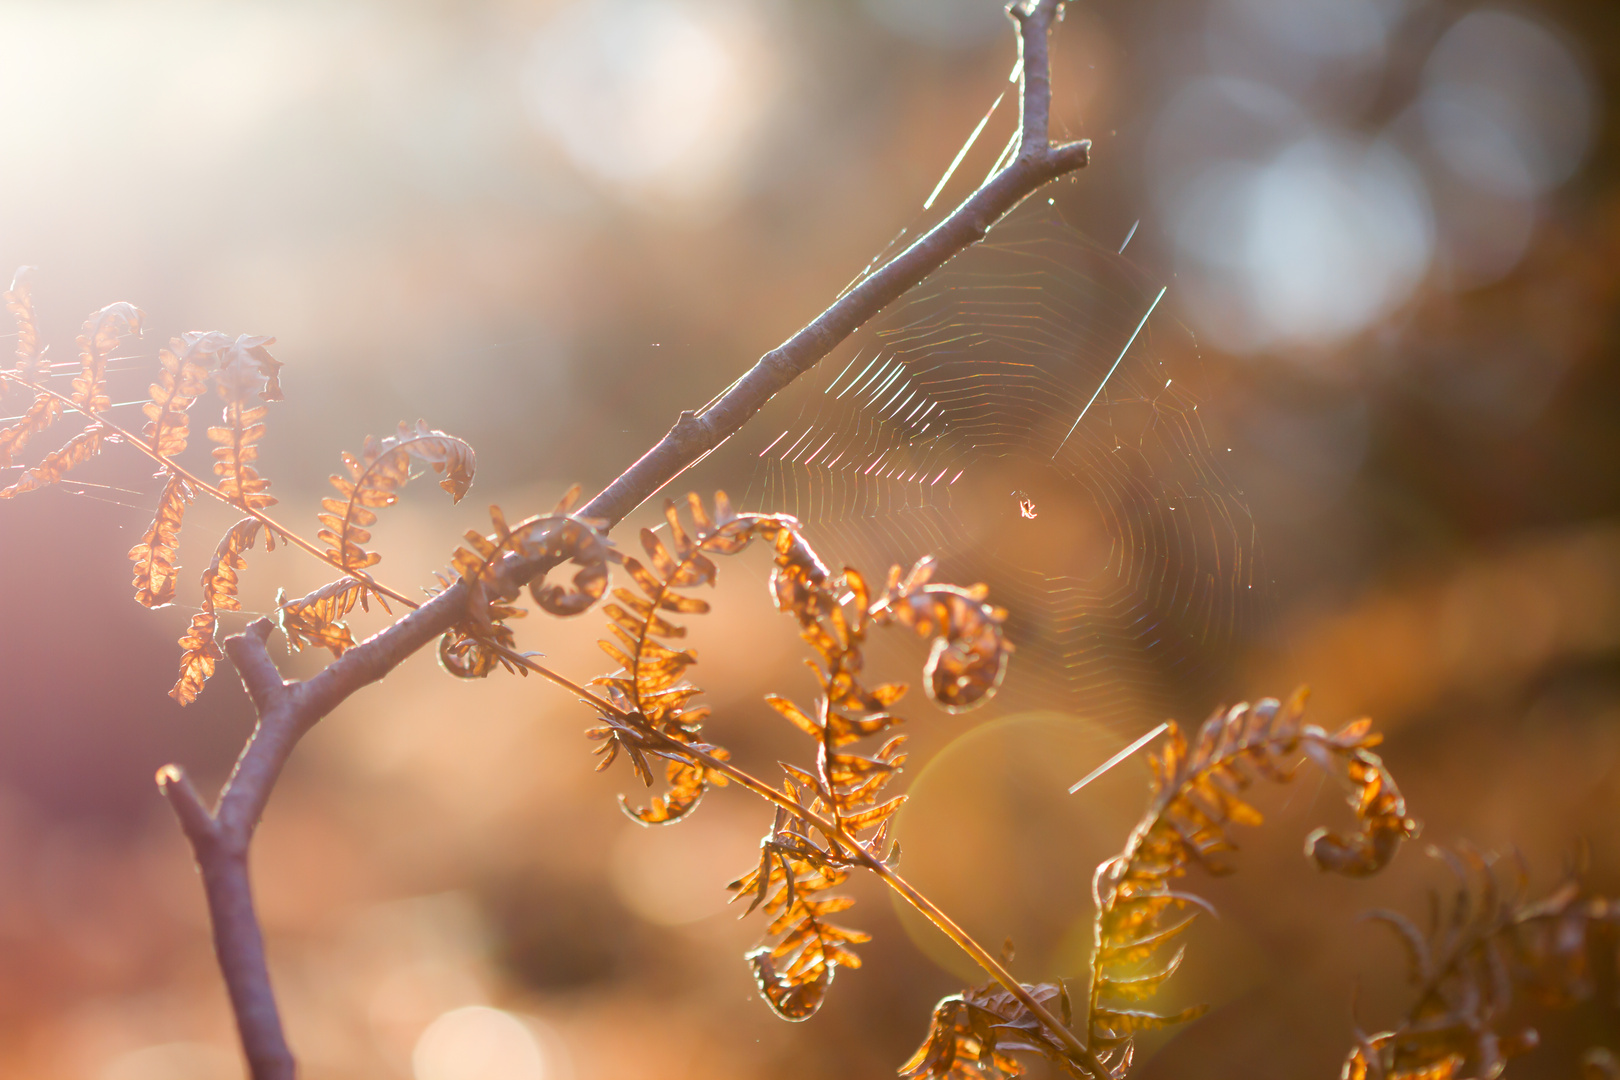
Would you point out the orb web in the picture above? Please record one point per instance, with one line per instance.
(1030, 417)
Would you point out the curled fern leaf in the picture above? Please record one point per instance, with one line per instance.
(374, 480)
(201, 652)
(1198, 792)
(154, 557)
(1492, 947)
(649, 683)
(969, 655)
(475, 648)
(973, 1034)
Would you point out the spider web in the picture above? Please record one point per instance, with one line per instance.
(1030, 417)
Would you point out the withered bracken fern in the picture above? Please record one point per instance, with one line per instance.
(1197, 796)
(830, 817)
(246, 376)
(1490, 945)
(833, 814)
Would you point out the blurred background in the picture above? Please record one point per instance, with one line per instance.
(1388, 231)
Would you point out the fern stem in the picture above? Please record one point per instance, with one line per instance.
(836, 833)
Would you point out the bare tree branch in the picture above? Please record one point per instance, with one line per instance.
(220, 838)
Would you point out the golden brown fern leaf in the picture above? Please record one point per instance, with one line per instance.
(45, 409)
(102, 333)
(245, 372)
(201, 652)
(76, 451)
(794, 974)
(649, 684)
(1492, 946)
(19, 300)
(154, 557)
(374, 480)
(475, 648)
(316, 619)
(183, 367)
(1197, 797)
(973, 1034)
(969, 655)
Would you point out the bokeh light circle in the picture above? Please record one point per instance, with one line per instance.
(476, 1042)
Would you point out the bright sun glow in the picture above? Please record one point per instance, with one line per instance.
(645, 93)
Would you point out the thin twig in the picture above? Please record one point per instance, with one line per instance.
(220, 838)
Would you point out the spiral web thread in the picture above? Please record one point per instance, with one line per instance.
(1023, 419)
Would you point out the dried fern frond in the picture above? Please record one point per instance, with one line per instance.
(973, 1034)
(19, 300)
(154, 557)
(475, 648)
(245, 373)
(183, 368)
(102, 333)
(44, 410)
(76, 451)
(374, 480)
(649, 683)
(969, 656)
(1197, 798)
(834, 614)
(1492, 946)
(201, 652)
(794, 974)
(316, 619)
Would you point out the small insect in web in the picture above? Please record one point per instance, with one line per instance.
(1030, 416)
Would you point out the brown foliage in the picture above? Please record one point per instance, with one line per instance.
(19, 300)
(242, 376)
(76, 451)
(374, 480)
(316, 619)
(154, 556)
(1493, 944)
(102, 334)
(474, 649)
(974, 1033)
(219, 585)
(1197, 797)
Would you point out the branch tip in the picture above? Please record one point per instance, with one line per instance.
(196, 820)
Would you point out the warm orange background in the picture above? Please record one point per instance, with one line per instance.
(420, 202)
